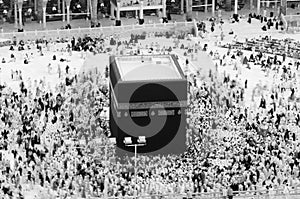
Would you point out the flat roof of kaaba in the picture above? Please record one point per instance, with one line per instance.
(147, 67)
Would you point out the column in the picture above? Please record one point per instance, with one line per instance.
(188, 10)
(268, 3)
(142, 10)
(35, 6)
(20, 5)
(20, 18)
(196, 28)
(228, 5)
(205, 6)
(213, 6)
(118, 10)
(182, 6)
(251, 4)
(190, 6)
(94, 17)
(11, 4)
(235, 6)
(16, 13)
(68, 14)
(58, 6)
(87, 6)
(63, 11)
(164, 8)
(187, 6)
(258, 7)
(44, 13)
(112, 10)
(68, 10)
(44, 17)
(283, 4)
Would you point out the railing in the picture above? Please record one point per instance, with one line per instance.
(256, 194)
(277, 194)
(107, 30)
(273, 194)
(291, 23)
(71, 14)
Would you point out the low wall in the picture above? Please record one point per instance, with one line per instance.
(5, 42)
(122, 31)
(277, 194)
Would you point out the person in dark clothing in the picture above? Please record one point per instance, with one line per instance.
(67, 69)
(249, 20)
(262, 103)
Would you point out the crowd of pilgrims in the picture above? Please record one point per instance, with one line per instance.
(267, 44)
(232, 144)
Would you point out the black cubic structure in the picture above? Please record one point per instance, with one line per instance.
(148, 97)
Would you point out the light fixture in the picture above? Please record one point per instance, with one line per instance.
(112, 140)
(127, 140)
(141, 140)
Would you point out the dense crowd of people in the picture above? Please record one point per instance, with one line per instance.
(49, 137)
(267, 44)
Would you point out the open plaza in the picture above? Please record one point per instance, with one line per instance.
(150, 100)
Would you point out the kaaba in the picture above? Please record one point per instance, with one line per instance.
(148, 97)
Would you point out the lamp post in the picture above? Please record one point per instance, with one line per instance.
(20, 5)
(140, 142)
(44, 13)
